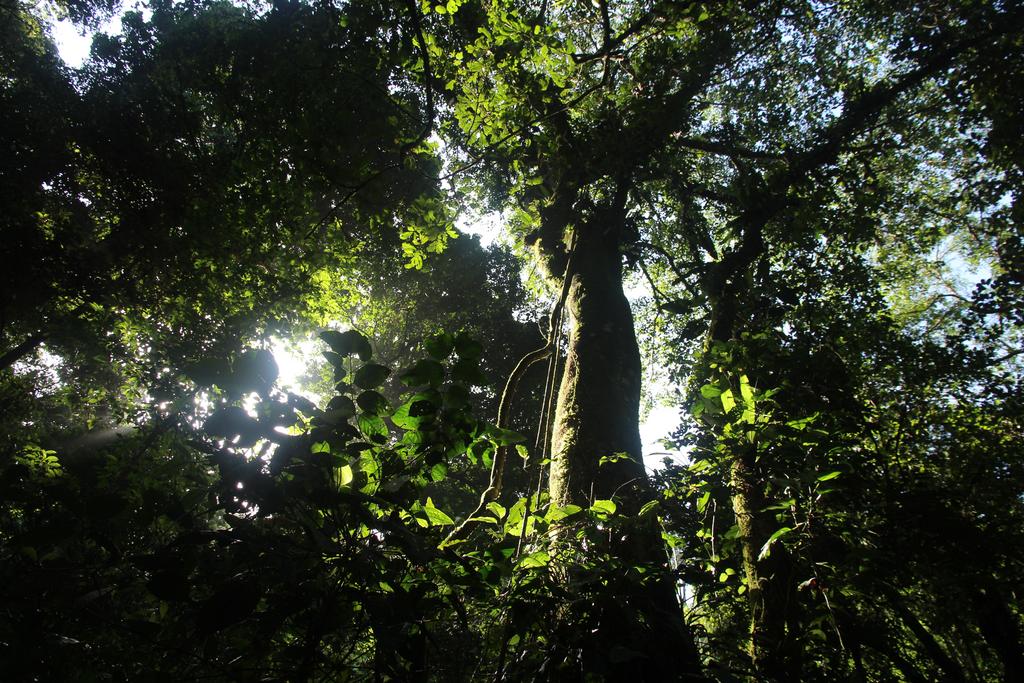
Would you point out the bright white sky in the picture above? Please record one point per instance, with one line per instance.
(72, 46)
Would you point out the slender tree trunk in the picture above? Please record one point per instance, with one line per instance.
(1001, 629)
(597, 415)
(771, 585)
(951, 670)
(773, 650)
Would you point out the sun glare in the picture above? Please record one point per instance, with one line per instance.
(293, 361)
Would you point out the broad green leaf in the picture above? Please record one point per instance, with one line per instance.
(371, 376)
(232, 422)
(467, 371)
(484, 520)
(337, 361)
(555, 514)
(402, 419)
(254, 370)
(536, 559)
(373, 428)
(425, 371)
(440, 346)
(766, 549)
(514, 521)
(603, 508)
(348, 343)
(746, 392)
(344, 475)
(372, 402)
(435, 516)
(467, 347)
(505, 437)
(648, 507)
(342, 407)
(710, 391)
(728, 402)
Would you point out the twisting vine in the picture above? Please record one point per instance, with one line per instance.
(493, 489)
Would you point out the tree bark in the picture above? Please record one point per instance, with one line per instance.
(774, 651)
(1001, 629)
(597, 415)
(951, 670)
(771, 585)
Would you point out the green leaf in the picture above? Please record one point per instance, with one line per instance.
(342, 407)
(829, 476)
(484, 520)
(746, 392)
(348, 343)
(505, 437)
(534, 560)
(802, 423)
(710, 391)
(603, 508)
(522, 451)
(766, 549)
(728, 402)
(343, 475)
(371, 402)
(467, 347)
(254, 370)
(440, 346)
(702, 502)
(648, 507)
(232, 422)
(556, 514)
(402, 417)
(371, 376)
(373, 428)
(337, 361)
(435, 516)
(425, 371)
(467, 370)
(514, 521)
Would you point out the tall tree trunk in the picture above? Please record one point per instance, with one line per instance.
(1001, 629)
(951, 670)
(771, 585)
(774, 651)
(640, 632)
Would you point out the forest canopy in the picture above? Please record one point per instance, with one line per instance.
(804, 218)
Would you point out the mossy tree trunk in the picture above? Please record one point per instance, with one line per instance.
(639, 632)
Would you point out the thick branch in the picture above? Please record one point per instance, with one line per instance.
(18, 352)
